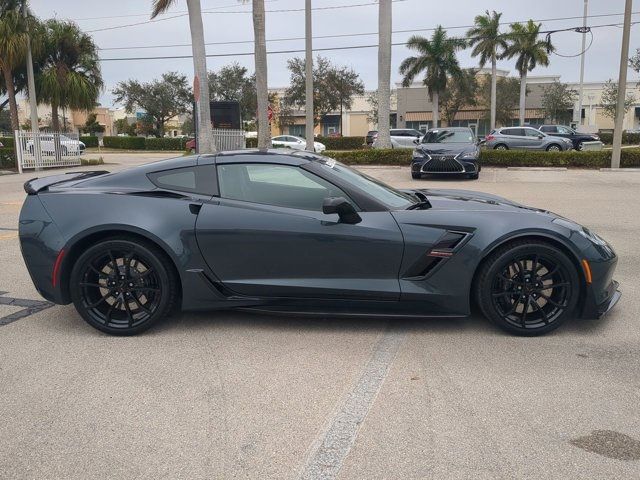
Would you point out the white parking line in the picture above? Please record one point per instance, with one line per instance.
(333, 446)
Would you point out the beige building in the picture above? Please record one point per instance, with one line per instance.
(70, 120)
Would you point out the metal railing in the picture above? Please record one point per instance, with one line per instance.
(226, 140)
(47, 149)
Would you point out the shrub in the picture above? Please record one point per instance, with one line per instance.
(8, 142)
(499, 158)
(342, 143)
(165, 143)
(89, 140)
(251, 142)
(92, 161)
(627, 138)
(7, 157)
(128, 143)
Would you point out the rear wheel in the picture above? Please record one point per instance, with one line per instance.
(123, 286)
(527, 288)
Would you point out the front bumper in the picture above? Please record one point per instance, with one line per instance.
(451, 166)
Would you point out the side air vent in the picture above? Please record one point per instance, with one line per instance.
(443, 249)
(449, 240)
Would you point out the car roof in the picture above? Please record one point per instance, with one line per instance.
(449, 128)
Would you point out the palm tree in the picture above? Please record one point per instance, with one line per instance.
(488, 43)
(14, 36)
(203, 113)
(262, 89)
(384, 72)
(437, 58)
(308, 72)
(69, 75)
(530, 51)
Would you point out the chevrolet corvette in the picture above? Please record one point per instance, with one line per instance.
(300, 233)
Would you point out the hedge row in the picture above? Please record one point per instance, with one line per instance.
(627, 138)
(342, 143)
(508, 158)
(7, 157)
(89, 140)
(7, 142)
(166, 143)
(127, 143)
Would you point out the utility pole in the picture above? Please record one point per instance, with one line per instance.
(33, 104)
(622, 86)
(584, 46)
(308, 72)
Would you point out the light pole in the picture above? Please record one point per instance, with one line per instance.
(622, 86)
(584, 45)
(308, 72)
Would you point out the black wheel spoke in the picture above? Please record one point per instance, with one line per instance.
(145, 289)
(114, 263)
(146, 273)
(99, 301)
(554, 285)
(551, 301)
(141, 306)
(523, 316)
(129, 314)
(113, 306)
(549, 274)
(545, 318)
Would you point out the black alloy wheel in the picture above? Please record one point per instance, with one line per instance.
(122, 286)
(528, 288)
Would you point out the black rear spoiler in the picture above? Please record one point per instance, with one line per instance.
(35, 185)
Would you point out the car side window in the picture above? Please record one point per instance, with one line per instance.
(200, 179)
(530, 132)
(278, 185)
(512, 132)
(564, 130)
(548, 129)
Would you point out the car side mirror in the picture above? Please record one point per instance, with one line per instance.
(540, 137)
(343, 208)
(416, 141)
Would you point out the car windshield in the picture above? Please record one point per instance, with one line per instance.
(448, 136)
(388, 195)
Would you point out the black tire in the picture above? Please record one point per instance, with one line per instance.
(580, 145)
(509, 279)
(501, 146)
(120, 297)
(416, 176)
(554, 147)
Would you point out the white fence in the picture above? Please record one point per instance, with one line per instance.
(47, 149)
(226, 140)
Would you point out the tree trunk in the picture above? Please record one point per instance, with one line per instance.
(262, 90)
(384, 72)
(523, 95)
(308, 65)
(494, 84)
(55, 119)
(436, 109)
(11, 96)
(203, 120)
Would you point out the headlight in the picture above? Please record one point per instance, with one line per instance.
(468, 155)
(419, 154)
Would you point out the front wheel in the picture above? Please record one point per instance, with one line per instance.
(527, 287)
(501, 146)
(123, 286)
(553, 148)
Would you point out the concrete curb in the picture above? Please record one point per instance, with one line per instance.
(538, 169)
(620, 170)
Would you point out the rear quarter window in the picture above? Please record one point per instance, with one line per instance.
(199, 179)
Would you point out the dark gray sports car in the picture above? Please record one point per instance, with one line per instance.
(297, 232)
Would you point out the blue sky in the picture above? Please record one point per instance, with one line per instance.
(230, 20)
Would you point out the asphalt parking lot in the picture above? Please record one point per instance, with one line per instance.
(236, 395)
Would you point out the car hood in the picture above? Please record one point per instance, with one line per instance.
(455, 200)
(447, 148)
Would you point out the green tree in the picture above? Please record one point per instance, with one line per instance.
(332, 86)
(557, 101)
(205, 133)
(530, 51)
(70, 76)
(506, 99)
(14, 37)
(463, 92)
(437, 58)
(609, 100)
(488, 43)
(232, 82)
(187, 127)
(92, 126)
(346, 83)
(122, 125)
(161, 99)
(5, 121)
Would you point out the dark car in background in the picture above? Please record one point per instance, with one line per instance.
(368, 139)
(451, 151)
(576, 138)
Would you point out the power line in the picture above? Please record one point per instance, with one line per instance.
(284, 10)
(276, 52)
(342, 35)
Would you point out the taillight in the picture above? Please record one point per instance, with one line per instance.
(488, 138)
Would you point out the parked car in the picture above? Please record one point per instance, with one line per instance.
(402, 138)
(295, 143)
(567, 132)
(451, 151)
(298, 232)
(525, 138)
(68, 146)
(191, 145)
(368, 139)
